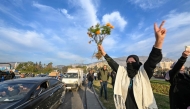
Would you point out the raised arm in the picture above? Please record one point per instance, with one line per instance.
(155, 55)
(110, 61)
(154, 58)
(175, 70)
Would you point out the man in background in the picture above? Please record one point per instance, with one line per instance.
(12, 74)
(90, 78)
(103, 76)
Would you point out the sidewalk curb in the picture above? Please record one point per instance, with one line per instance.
(84, 98)
(98, 98)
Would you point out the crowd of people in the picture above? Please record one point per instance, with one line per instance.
(6, 75)
(131, 84)
(103, 76)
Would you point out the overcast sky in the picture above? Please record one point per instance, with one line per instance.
(55, 30)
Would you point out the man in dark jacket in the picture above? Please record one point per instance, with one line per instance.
(179, 93)
(113, 77)
(133, 64)
(12, 74)
(90, 78)
(103, 76)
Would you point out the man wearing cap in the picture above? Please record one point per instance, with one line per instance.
(132, 86)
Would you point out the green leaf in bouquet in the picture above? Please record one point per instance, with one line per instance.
(93, 30)
(102, 31)
(97, 29)
(97, 25)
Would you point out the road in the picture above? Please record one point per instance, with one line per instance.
(74, 100)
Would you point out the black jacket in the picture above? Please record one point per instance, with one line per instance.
(113, 76)
(90, 77)
(179, 93)
(154, 58)
(12, 74)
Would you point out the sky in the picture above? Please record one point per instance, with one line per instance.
(56, 30)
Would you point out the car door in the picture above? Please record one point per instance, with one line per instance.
(38, 102)
(60, 89)
(57, 92)
(42, 101)
(45, 102)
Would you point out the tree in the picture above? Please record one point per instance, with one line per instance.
(34, 67)
(84, 69)
(95, 68)
(64, 69)
(19, 67)
(40, 65)
(48, 68)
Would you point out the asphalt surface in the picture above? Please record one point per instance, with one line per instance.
(74, 99)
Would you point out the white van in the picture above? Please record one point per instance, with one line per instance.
(73, 78)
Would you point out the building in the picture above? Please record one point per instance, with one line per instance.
(6, 66)
(101, 64)
(165, 64)
(97, 64)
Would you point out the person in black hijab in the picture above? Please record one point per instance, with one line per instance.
(132, 68)
(133, 63)
(179, 93)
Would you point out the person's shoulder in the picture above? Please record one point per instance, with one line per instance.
(142, 69)
(121, 67)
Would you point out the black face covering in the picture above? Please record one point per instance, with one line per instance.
(132, 69)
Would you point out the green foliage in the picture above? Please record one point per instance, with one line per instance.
(98, 33)
(64, 69)
(162, 101)
(160, 82)
(34, 67)
(161, 87)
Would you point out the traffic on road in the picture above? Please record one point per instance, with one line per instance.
(44, 91)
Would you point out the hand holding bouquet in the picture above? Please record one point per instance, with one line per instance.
(97, 34)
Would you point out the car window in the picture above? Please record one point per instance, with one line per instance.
(70, 75)
(14, 91)
(41, 88)
(53, 82)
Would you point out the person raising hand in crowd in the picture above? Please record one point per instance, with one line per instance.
(132, 88)
(179, 93)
